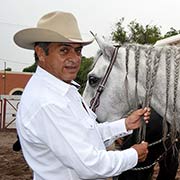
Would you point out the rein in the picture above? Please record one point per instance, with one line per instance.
(96, 99)
(161, 156)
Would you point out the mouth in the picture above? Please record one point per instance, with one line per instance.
(72, 68)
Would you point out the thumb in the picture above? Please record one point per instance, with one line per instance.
(144, 143)
(140, 112)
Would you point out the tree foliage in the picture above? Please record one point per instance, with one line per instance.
(31, 68)
(82, 74)
(137, 33)
(8, 69)
(119, 35)
(171, 32)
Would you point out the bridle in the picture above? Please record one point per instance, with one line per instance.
(96, 99)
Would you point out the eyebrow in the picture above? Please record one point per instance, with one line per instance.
(66, 44)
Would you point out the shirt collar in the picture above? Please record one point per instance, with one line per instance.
(58, 84)
(75, 84)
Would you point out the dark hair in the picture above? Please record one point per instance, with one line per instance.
(44, 46)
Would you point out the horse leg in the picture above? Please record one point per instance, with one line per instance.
(17, 145)
(169, 165)
(137, 175)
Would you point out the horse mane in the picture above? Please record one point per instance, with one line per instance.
(153, 56)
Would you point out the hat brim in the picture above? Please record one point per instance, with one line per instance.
(27, 37)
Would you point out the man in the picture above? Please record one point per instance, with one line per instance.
(59, 136)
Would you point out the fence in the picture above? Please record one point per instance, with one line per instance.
(8, 109)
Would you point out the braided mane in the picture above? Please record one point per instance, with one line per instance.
(153, 55)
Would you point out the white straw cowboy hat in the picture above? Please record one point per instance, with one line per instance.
(52, 27)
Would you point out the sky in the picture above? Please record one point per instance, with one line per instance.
(98, 16)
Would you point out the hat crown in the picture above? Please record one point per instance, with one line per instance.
(53, 27)
(62, 23)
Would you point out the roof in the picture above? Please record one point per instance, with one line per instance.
(14, 72)
(173, 40)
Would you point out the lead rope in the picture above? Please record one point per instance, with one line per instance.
(160, 158)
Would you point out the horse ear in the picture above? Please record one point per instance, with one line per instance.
(107, 48)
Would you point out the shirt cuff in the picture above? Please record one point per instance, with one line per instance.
(131, 157)
(118, 128)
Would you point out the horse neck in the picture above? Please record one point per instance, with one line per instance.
(132, 69)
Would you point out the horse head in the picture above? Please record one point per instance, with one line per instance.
(113, 96)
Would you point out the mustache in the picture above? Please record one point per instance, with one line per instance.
(71, 62)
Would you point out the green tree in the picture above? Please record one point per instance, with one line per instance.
(171, 32)
(120, 34)
(135, 33)
(31, 68)
(8, 69)
(82, 74)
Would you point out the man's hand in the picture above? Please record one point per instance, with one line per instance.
(142, 151)
(133, 120)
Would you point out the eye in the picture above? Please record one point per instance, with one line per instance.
(78, 51)
(64, 50)
(93, 80)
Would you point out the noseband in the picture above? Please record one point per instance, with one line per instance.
(96, 99)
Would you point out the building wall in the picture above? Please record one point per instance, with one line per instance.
(13, 81)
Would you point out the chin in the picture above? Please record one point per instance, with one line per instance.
(70, 79)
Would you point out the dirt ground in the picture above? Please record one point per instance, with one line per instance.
(13, 165)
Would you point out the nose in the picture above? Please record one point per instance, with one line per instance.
(74, 54)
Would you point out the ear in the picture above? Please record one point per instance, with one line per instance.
(40, 53)
(107, 48)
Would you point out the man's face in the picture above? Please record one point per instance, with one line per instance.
(63, 60)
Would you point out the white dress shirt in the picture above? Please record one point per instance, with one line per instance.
(60, 138)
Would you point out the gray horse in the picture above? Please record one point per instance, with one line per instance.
(142, 75)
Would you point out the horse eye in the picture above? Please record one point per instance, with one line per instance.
(93, 80)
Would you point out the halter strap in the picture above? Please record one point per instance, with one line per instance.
(96, 99)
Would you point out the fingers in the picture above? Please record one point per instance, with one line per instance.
(142, 158)
(133, 120)
(143, 111)
(147, 114)
(147, 111)
(142, 150)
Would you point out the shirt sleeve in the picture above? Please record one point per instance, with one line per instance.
(110, 131)
(67, 139)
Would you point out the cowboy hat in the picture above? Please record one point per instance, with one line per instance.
(53, 27)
